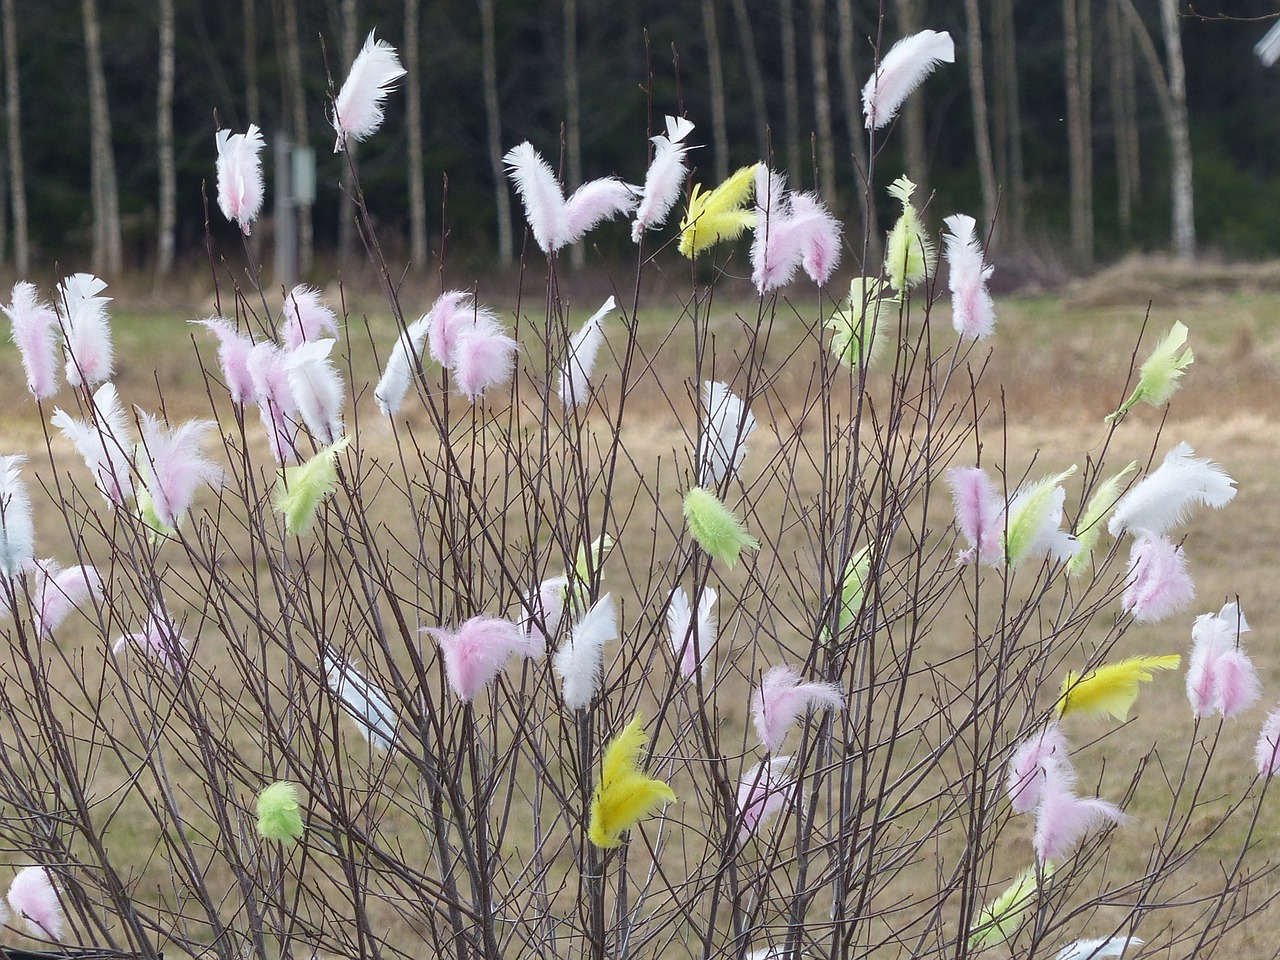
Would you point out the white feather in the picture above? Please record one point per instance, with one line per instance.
(358, 109)
(1164, 498)
(724, 435)
(544, 205)
(691, 646)
(972, 311)
(575, 376)
(580, 658)
(363, 701)
(398, 375)
(104, 444)
(317, 389)
(901, 70)
(60, 591)
(1096, 949)
(17, 532)
(90, 355)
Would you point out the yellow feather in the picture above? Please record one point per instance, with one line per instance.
(624, 794)
(718, 214)
(1111, 688)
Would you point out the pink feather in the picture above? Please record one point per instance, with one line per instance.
(316, 388)
(1157, 584)
(58, 592)
(764, 791)
(1238, 687)
(1267, 751)
(1063, 819)
(1220, 676)
(449, 315)
(692, 641)
(104, 443)
(306, 317)
(900, 71)
(172, 465)
(90, 356)
(979, 514)
(543, 609)
(820, 244)
(782, 699)
(240, 175)
(665, 177)
(234, 348)
(476, 654)
(35, 331)
(271, 392)
(540, 191)
(34, 898)
(972, 311)
(790, 232)
(483, 358)
(159, 640)
(595, 202)
(358, 109)
(1045, 754)
(17, 530)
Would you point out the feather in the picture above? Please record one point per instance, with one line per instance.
(625, 794)
(781, 699)
(665, 177)
(1063, 819)
(580, 659)
(910, 255)
(484, 358)
(35, 332)
(999, 920)
(543, 609)
(1089, 526)
(1157, 584)
(277, 408)
(362, 700)
(1042, 755)
(358, 109)
(476, 654)
(692, 640)
(1220, 675)
(398, 374)
(1110, 688)
(1031, 530)
(540, 192)
(764, 791)
(306, 317)
(589, 559)
(900, 71)
(979, 509)
(853, 588)
(90, 356)
(1097, 949)
(1160, 373)
(240, 188)
(860, 326)
(718, 215)
(17, 531)
(34, 897)
(726, 429)
(159, 640)
(580, 360)
(173, 467)
(1267, 751)
(1163, 499)
(234, 349)
(790, 232)
(316, 388)
(104, 443)
(820, 237)
(57, 592)
(972, 310)
(595, 202)
(300, 489)
(715, 528)
(279, 816)
(453, 312)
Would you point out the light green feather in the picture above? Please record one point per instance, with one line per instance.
(1160, 374)
(279, 817)
(300, 489)
(910, 253)
(1026, 518)
(715, 527)
(1089, 528)
(1000, 919)
(860, 325)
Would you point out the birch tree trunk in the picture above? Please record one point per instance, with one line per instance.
(822, 104)
(1181, 186)
(912, 122)
(1079, 139)
(413, 129)
(13, 116)
(715, 66)
(493, 118)
(1123, 119)
(981, 127)
(250, 56)
(790, 89)
(346, 201)
(297, 111)
(573, 116)
(164, 140)
(851, 104)
(755, 79)
(1008, 126)
(108, 246)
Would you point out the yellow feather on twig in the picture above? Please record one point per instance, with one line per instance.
(719, 214)
(1111, 688)
(624, 794)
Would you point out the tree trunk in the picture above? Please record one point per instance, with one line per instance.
(493, 118)
(822, 104)
(108, 246)
(13, 114)
(719, 128)
(1181, 187)
(1122, 121)
(1078, 133)
(250, 56)
(790, 89)
(413, 127)
(573, 116)
(755, 80)
(298, 116)
(164, 139)
(346, 199)
(981, 128)
(851, 104)
(1008, 135)
(908, 15)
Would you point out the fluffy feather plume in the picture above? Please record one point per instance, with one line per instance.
(1163, 499)
(476, 654)
(1220, 676)
(1042, 755)
(452, 313)
(90, 356)
(900, 71)
(589, 559)
(159, 640)
(1032, 528)
(575, 376)
(718, 214)
(790, 232)
(692, 640)
(1160, 373)
(363, 701)
(57, 592)
(1097, 949)
(300, 489)
(972, 310)
(173, 466)
(1267, 751)
(1111, 688)
(665, 177)
(306, 317)
(725, 431)
(781, 699)
(860, 326)
(1157, 584)
(35, 332)
(277, 409)
(17, 532)
(910, 254)
(1089, 526)
(979, 510)
(543, 609)
(595, 202)
(240, 175)
(715, 528)
(401, 363)
(580, 659)
(555, 221)
(625, 794)
(469, 340)
(104, 443)
(33, 896)
(316, 387)
(764, 791)
(358, 109)
(234, 348)
(1063, 819)
(279, 815)
(1003, 917)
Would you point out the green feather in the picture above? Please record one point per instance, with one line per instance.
(1025, 518)
(715, 527)
(910, 253)
(1089, 527)
(860, 325)
(278, 814)
(1000, 919)
(300, 489)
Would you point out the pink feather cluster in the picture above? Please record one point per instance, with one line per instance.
(358, 108)
(268, 371)
(468, 340)
(35, 331)
(1220, 676)
(665, 177)
(173, 466)
(159, 640)
(57, 592)
(239, 167)
(1035, 759)
(764, 791)
(477, 652)
(234, 348)
(34, 897)
(972, 310)
(781, 699)
(90, 354)
(980, 510)
(306, 317)
(791, 231)
(900, 71)
(1157, 584)
(555, 221)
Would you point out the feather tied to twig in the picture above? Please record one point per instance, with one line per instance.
(1039, 756)
(104, 443)
(1110, 688)
(362, 700)
(625, 794)
(234, 349)
(358, 109)
(34, 328)
(1157, 584)
(1004, 916)
(173, 466)
(1220, 676)
(317, 388)
(580, 659)
(580, 360)
(477, 652)
(725, 431)
(279, 813)
(277, 409)
(556, 222)
(900, 71)
(1266, 752)
(17, 531)
(1097, 949)
(791, 231)
(715, 528)
(910, 253)
(306, 317)
(665, 177)
(1160, 373)
(979, 509)
(764, 791)
(972, 309)
(240, 188)
(300, 489)
(692, 638)
(397, 376)
(33, 896)
(469, 340)
(57, 592)
(782, 699)
(720, 214)
(1164, 498)
(1089, 526)
(1063, 819)
(159, 640)
(860, 326)
(90, 355)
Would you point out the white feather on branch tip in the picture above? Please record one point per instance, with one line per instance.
(665, 177)
(1165, 497)
(90, 355)
(358, 108)
(575, 376)
(239, 167)
(580, 659)
(363, 701)
(104, 443)
(317, 388)
(57, 592)
(692, 641)
(900, 71)
(724, 435)
(1097, 949)
(972, 311)
(17, 532)
(397, 377)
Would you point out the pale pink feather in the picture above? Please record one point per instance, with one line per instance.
(665, 177)
(306, 317)
(1157, 584)
(544, 205)
(781, 699)
(979, 511)
(820, 240)
(90, 355)
(1063, 819)
(1267, 751)
(34, 897)
(58, 592)
(764, 791)
(1237, 685)
(453, 312)
(234, 348)
(35, 332)
(543, 609)
(316, 388)
(17, 530)
(595, 202)
(104, 443)
(483, 359)
(358, 109)
(274, 398)
(173, 466)
(476, 654)
(900, 71)
(240, 187)
(1038, 757)
(159, 640)
(575, 376)
(790, 232)
(692, 639)
(972, 310)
